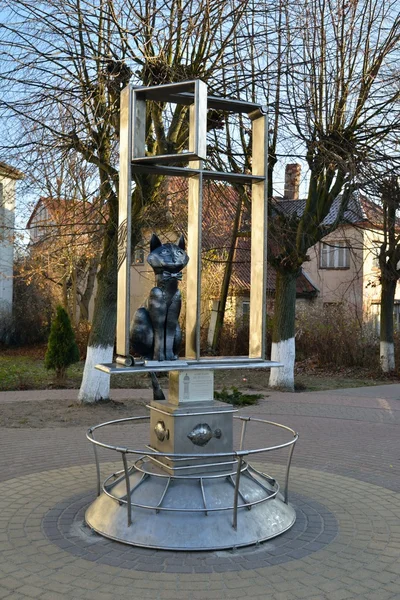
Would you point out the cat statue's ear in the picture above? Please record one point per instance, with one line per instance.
(154, 242)
(181, 243)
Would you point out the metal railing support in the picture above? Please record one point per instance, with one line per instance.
(128, 489)
(236, 491)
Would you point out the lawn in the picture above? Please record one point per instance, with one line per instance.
(23, 369)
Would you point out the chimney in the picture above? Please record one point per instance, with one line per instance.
(292, 181)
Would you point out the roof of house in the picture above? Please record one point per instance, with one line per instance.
(67, 213)
(219, 208)
(9, 171)
(353, 214)
(360, 211)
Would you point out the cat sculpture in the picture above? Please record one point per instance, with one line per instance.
(155, 333)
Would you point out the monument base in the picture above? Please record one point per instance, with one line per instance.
(192, 513)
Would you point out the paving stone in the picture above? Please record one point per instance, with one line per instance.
(350, 542)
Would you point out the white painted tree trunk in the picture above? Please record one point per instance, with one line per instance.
(283, 352)
(95, 384)
(387, 356)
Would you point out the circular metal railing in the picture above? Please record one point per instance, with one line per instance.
(239, 468)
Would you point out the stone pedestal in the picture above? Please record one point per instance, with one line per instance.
(192, 422)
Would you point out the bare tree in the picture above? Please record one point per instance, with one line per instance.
(389, 260)
(78, 55)
(334, 56)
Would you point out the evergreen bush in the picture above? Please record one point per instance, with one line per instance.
(62, 349)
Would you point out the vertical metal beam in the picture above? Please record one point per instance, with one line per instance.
(128, 490)
(198, 121)
(124, 222)
(132, 144)
(193, 271)
(236, 491)
(259, 197)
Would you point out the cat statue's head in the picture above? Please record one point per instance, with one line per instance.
(167, 257)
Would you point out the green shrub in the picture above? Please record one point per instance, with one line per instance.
(236, 397)
(62, 349)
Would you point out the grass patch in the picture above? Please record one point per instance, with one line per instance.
(23, 369)
(236, 397)
(19, 372)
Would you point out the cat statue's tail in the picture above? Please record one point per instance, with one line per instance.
(158, 394)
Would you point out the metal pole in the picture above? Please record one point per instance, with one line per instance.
(96, 458)
(286, 494)
(236, 492)
(128, 489)
(244, 426)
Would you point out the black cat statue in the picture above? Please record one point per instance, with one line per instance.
(155, 333)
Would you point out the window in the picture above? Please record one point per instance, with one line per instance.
(335, 255)
(138, 256)
(245, 313)
(396, 316)
(375, 312)
(376, 248)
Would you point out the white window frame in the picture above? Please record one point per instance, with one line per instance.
(334, 255)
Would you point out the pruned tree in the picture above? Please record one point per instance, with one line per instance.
(78, 55)
(334, 56)
(389, 261)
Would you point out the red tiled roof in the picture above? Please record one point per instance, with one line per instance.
(219, 208)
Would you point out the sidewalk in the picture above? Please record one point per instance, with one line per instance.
(345, 485)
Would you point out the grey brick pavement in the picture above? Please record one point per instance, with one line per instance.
(347, 461)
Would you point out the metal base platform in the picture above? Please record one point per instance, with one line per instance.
(190, 513)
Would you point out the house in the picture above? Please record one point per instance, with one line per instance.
(344, 266)
(342, 270)
(8, 179)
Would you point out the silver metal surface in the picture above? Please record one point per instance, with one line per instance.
(172, 485)
(202, 434)
(124, 223)
(128, 490)
(117, 369)
(139, 167)
(145, 167)
(259, 211)
(134, 160)
(195, 514)
(167, 511)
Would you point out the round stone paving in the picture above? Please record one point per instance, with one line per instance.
(64, 525)
(40, 524)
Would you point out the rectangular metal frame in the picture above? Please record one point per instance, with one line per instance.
(133, 159)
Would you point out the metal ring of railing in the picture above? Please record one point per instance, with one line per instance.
(237, 455)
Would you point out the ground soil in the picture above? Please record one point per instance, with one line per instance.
(64, 413)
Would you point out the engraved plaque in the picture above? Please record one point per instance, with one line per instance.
(191, 386)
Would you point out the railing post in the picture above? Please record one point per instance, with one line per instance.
(236, 491)
(128, 489)
(286, 494)
(243, 433)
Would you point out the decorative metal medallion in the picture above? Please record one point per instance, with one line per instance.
(202, 434)
(161, 431)
(122, 241)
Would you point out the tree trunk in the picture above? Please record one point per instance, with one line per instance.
(226, 280)
(283, 344)
(89, 288)
(96, 384)
(386, 334)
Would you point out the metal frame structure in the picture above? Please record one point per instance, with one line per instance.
(175, 478)
(133, 160)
